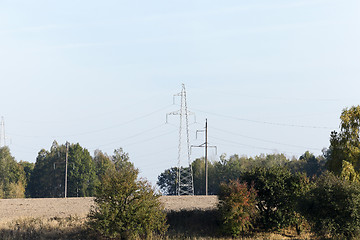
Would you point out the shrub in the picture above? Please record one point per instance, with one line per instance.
(237, 206)
(186, 224)
(333, 207)
(127, 208)
(278, 191)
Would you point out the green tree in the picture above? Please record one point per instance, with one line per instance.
(270, 160)
(103, 164)
(309, 164)
(81, 172)
(12, 176)
(121, 159)
(333, 207)
(237, 206)
(219, 171)
(48, 176)
(346, 144)
(278, 192)
(348, 172)
(42, 183)
(126, 208)
(28, 169)
(198, 168)
(167, 181)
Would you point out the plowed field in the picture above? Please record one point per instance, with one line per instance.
(11, 209)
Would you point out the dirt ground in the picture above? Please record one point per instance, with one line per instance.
(11, 209)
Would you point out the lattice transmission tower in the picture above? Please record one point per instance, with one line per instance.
(2, 133)
(184, 178)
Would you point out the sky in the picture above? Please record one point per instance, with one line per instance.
(270, 76)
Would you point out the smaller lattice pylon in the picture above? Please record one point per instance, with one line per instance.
(2, 133)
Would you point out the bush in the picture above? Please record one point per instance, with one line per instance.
(189, 224)
(237, 206)
(333, 207)
(278, 191)
(127, 208)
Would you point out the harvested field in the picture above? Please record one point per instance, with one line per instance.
(177, 203)
(11, 209)
(59, 218)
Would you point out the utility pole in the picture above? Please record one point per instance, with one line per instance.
(66, 166)
(205, 145)
(206, 158)
(54, 195)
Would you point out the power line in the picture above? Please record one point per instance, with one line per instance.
(152, 138)
(279, 98)
(155, 153)
(132, 136)
(123, 139)
(250, 146)
(98, 130)
(263, 140)
(263, 122)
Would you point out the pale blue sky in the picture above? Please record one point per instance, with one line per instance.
(103, 73)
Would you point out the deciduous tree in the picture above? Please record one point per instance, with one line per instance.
(346, 144)
(333, 207)
(127, 208)
(81, 172)
(48, 176)
(167, 181)
(237, 206)
(12, 176)
(278, 191)
(103, 164)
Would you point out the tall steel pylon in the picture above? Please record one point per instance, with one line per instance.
(2, 133)
(184, 178)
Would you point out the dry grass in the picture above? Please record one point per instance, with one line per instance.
(37, 228)
(76, 228)
(188, 217)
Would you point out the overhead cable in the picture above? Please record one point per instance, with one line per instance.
(263, 140)
(263, 122)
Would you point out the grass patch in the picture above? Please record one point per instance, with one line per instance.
(37, 228)
(184, 224)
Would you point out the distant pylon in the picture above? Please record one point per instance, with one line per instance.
(2, 133)
(184, 178)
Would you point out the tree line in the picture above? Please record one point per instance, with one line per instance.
(46, 177)
(235, 166)
(341, 158)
